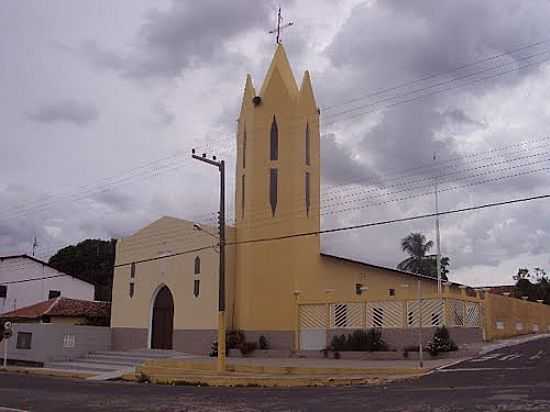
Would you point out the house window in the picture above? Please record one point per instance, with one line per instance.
(54, 294)
(273, 190)
(308, 201)
(3, 291)
(242, 197)
(24, 340)
(274, 140)
(196, 287)
(244, 147)
(197, 265)
(133, 270)
(392, 292)
(132, 289)
(308, 159)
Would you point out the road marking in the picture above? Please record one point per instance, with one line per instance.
(480, 369)
(11, 410)
(510, 357)
(487, 357)
(537, 356)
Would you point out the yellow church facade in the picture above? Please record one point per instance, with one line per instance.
(165, 288)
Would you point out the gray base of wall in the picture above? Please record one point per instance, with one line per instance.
(128, 338)
(398, 338)
(195, 341)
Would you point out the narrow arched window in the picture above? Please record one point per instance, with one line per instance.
(308, 196)
(197, 265)
(244, 147)
(273, 190)
(274, 140)
(308, 159)
(243, 188)
(196, 287)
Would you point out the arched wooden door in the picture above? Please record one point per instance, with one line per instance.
(163, 320)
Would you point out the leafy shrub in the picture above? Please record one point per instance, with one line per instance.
(441, 342)
(248, 347)
(374, 341)
(263, 343)
(370, 340)
(234, 339)
(338, 343)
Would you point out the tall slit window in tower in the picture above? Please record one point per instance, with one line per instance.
(242, 196)
(308, 159)
(307, 194)
(274, 140)
(244, 147)
(273, 190)
(197, 265)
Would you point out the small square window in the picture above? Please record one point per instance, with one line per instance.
(3, 291)
(24, 340)
(392, 292)
(54, 294)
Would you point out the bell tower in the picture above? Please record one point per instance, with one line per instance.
(277, 194)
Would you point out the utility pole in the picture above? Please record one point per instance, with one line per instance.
(221, 228)
(34, 244)
(419, 308)
(437, 236)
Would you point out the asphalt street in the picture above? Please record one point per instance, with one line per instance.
(511, 379)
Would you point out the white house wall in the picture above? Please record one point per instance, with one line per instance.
(28, 293)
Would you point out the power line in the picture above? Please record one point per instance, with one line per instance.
(385, 222)
(352, 227)
(431, 76)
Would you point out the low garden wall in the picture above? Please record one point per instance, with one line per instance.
(49, 342)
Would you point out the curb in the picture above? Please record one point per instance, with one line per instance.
(512, 342)
(59, 373)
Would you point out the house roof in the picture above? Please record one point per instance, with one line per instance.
(42, 263)
(398, 271)
(62, 307)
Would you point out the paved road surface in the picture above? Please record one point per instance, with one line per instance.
(511, 379)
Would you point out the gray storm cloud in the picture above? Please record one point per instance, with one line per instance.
(66, 111)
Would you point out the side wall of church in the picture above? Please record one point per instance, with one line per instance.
(195, 317)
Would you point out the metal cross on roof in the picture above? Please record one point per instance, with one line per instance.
(279, 27)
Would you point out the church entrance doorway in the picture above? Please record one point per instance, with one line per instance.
(163, 320)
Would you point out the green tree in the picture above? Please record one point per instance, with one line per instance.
(534, 284)
(417, 247)
(91, 260)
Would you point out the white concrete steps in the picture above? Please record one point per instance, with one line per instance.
(106, 365)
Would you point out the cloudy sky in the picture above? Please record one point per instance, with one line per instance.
(102, 101)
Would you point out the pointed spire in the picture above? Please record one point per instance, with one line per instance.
(249, 91)
(307, 97)
(280, 64)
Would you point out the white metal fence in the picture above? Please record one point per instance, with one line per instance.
(390, 314)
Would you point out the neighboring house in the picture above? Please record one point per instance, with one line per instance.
(26, 280)
(63, 310)
(58, 329)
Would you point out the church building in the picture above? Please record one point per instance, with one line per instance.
(165, 288)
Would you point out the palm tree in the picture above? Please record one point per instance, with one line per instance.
(417, 247)
(419, 261)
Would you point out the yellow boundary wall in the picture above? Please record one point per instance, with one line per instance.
(505, 316)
